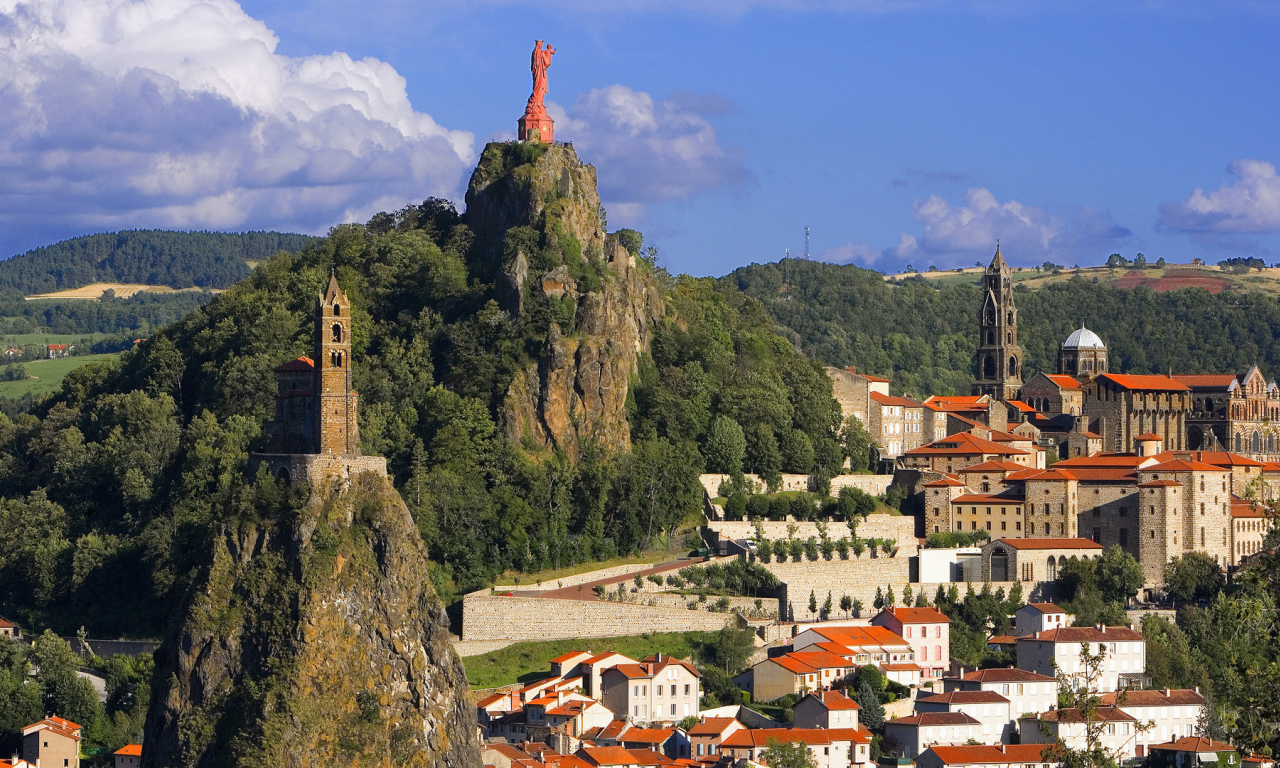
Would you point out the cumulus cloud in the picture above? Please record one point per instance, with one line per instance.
(649, 151)
(955, 235)
(850, 253)
(1249, 205)
(179, 113)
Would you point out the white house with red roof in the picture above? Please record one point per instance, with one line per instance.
(1175, 713)
(8, 628)
(52, 741)
(1117, 731)
(830, 747)
(995, 756)
(826, 709)
(1124, 649)
(1039, 617)
(1026, 691)
(706, 737)
(993, 712)
(797, 673)
(911, 736)
(926, 630)
(659, 689)
(128, 756)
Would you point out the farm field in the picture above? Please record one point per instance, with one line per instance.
(48, 375)
(93, 291)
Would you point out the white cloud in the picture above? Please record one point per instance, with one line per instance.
(648, 151)
(179, 113)
(955, 235)
(1250, 205)
(850, 253)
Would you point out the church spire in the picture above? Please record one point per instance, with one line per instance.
(998, 366)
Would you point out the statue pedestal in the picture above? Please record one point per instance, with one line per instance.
(536, 126)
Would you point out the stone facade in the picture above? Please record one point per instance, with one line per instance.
(1122, 407)
(315, 434)
(852, 390)
(1052, 394)
(896, 424)
(1236, 413)
(999, 361)
(1032, 559)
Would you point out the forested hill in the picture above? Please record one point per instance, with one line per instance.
(925, 337)
(145, 256)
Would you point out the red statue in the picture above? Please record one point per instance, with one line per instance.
(536, 125)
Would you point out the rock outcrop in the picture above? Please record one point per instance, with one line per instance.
(315, 639)
(537, 219)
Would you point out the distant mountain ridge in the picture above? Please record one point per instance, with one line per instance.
(145, 256)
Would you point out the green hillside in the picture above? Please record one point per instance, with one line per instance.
(923, 334)
(149, 257)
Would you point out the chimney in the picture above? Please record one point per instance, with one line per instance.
(1166, 691)
(1000, 747)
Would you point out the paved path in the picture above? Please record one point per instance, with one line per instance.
(586, 591)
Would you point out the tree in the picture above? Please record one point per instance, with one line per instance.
(726, 446)
(871, 713)
(857, 444)
(826, 606)
(763, 456)
(846, 604)
(1079, 702)
(788, 754)
(1118, 574)
(733, 646)
(813, 603)
(797, 452)
(907, 596)
(879, 601)
(65, 692)
(1193, 576)
(889, 599)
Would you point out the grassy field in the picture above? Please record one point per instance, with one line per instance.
(1175, 276)
(18, 339)
(526, 662)
(48, 375)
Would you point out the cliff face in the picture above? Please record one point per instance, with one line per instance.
(314, 640)
(537, 220)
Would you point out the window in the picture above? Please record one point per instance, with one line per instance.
(686, 689)
(673, 690)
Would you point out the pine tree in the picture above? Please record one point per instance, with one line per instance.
(907, 596)
(879, 601)
(813, 602)
(846, 603)
(826, 606)
(889, 599)
(871, 714)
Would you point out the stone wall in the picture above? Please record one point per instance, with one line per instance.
(900, 528)
(876, 485)
(855, 577)
(316, 468)
(492, 617)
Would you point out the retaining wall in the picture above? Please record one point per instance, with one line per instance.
(876, 485)
(490, 617)
(901, 528)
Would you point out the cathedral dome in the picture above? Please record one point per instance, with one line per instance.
(1083, 339)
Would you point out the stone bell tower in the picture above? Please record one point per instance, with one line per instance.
(999, 362)
(336, 429)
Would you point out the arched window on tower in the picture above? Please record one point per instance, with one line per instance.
(1239, 443)
(337, 309)
(337, 332)
(335, 359)
(991, 337)
(1009, 319)
(1256, 442)
(1013, 366)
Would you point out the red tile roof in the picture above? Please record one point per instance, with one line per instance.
(951, 482)
(902, 667)
(570, 656)
(1072, 715)
(1006, 675)
(935, 718)
(648, 735)
(1051, 543)
(6, 624)
(1206, 379)
(1154, 698)
(1194, 744)
(918, 615)
(300, 365)
(56, 724)
(1046, 607)
(833, 700)
(609, 756)
(1007, 753)
(712, 726)
(965, 697)
(905, 402)
(1145, 382)
(995, 465)
(1182, 465)
(1245, 508)
(1055, 476)
(1216, 458)
(1021, 406)
(1147, 436)
(1102, 461)
(129, 749)
(760, 737)
(1085, 634)
(1063, 382)
(964, 444)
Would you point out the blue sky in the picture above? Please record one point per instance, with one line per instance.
(900, 132)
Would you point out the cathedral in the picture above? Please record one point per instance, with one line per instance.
(314, 433)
